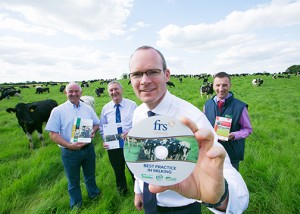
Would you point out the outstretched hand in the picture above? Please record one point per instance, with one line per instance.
(206, 183)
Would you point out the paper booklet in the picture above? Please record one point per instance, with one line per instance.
(222, 127)
(111, 136)
(82, 130)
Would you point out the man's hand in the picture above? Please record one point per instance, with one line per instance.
(76, 146)
(206, 183)
(231, 136)
(105, 146)
(138, 201)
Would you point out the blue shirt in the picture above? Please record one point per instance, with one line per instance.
(108, 114)
(62, 117)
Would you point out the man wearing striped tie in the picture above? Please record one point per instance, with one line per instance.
(214, 183)
(118, 111)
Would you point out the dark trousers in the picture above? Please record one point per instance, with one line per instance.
(73, 161)
(236, 164)
(117, 161)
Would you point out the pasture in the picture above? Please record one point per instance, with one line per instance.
(33, 181)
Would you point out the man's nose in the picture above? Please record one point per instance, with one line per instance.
(145, 78)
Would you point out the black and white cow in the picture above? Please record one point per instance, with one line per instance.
(10, 93)
(99, 91)
(206, 89)
(148, 148)
(40, 90)
(184, 150)
(31, 117)
(173, 149)
(257, 82)
(85, 84)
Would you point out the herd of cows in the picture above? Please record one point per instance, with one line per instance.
(177, 150)
(31, 116)
(7, 92)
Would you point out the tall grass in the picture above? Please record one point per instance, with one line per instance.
(34, 181)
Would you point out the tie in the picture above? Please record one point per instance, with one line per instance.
(149, 198)
(118, 120)
(220, 105)
(150, 113)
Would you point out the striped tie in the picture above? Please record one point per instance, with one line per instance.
(118, 120)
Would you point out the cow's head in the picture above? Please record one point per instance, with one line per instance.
(23, 111)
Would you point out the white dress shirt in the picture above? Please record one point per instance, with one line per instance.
(108, 114)
(175, 107)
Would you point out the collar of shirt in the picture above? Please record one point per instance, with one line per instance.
(222, 100)
(122, 104)
(161, 108)
(73, 105)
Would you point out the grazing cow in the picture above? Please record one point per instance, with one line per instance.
(171, 84)
(85, 84)
(184, 150)
(205, 80)
(99, 91)
(40, 90)
(24, 86)
(62, 88)
(275, 76)
(7, 88)
(88, 100)
(31, 117)
(173, 149)
(207, 89)
(149, 147)
(10, 93)
(257, 82)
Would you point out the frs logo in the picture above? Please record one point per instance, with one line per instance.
(159, 126)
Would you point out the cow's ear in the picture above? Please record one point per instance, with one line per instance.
(32, 108)
(10, 110)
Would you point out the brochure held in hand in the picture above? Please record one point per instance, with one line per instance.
(82, 130)
(222, 127)
(111, 136)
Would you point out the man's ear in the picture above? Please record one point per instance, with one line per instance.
(167, 74)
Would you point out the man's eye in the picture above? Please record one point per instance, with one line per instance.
(153, 72)
(137, 74)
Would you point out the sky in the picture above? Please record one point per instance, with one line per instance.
(75, 40)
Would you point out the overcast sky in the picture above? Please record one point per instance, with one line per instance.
(74, 40)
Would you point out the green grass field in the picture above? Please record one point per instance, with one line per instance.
(34, 181)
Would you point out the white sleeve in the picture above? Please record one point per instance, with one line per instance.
(238, 192)
(137, 186)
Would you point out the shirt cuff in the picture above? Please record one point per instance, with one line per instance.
(137, 189)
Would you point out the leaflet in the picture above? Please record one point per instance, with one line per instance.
(82, 130)
(111, 136)
(222, 127)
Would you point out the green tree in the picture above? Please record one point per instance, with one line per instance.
(293, 69)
